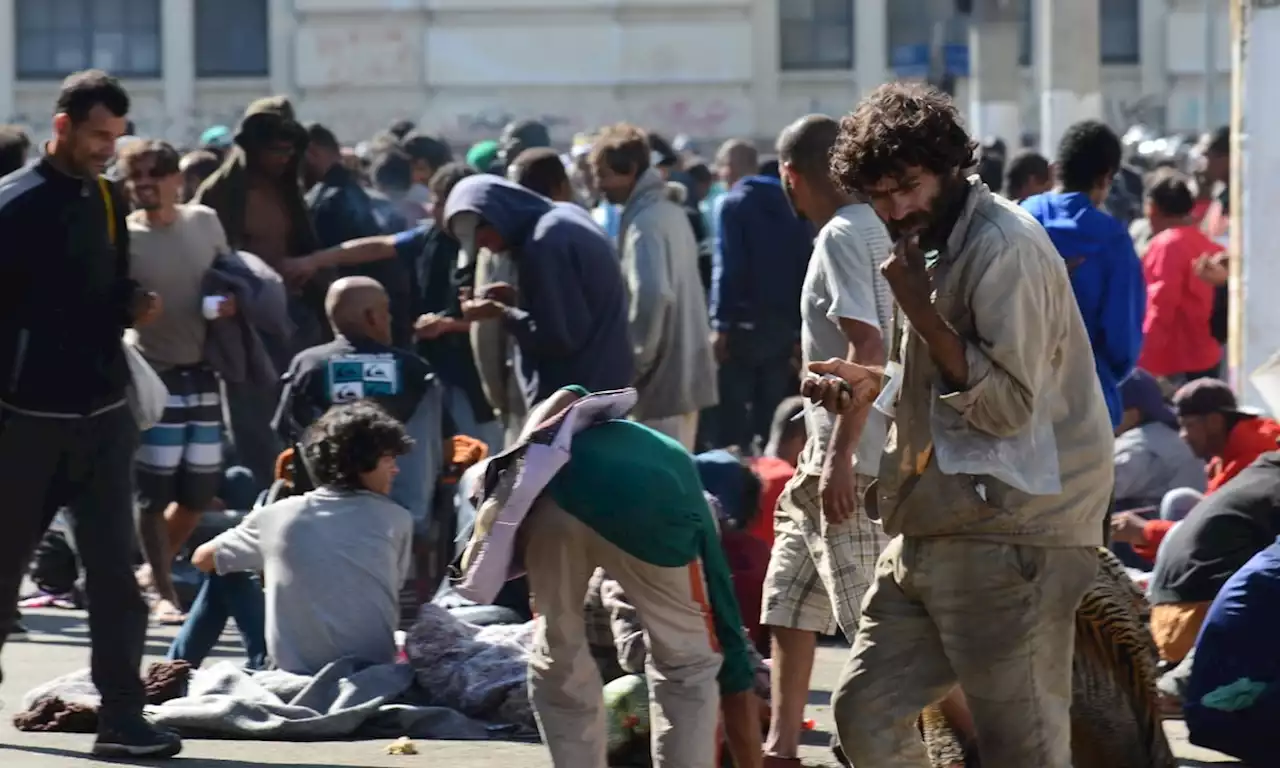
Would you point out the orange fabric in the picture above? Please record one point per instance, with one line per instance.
(1152, 534)
(1249, 439)
(1175, 626)
(698, 588)
(774, 474)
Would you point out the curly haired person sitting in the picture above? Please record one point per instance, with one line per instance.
(333, 559)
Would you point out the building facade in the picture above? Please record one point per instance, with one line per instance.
(463, 68)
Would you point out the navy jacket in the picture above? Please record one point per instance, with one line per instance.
(760, 258)
(65, 293)
(573, 302)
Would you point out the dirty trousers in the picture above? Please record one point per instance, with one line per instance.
(560, 554)
(999, 619)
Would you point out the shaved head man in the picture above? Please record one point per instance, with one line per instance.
(359, 307)
(736, 160)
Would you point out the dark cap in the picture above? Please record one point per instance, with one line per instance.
(1141, 392)
(1205, 396)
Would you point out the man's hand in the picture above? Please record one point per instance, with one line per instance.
(146, 308)
(720, 346)
(908, 276)
(1128, 527)
(500, 292)
(298, 271)
(433, 326)
(228, 307)
(839, 489)
(853, 386)
(1213, 268)
(479, 310)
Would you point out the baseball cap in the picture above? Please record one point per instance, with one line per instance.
(1206, 396)
(1141, 392)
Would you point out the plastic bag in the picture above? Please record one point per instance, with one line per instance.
(1027, 461)
(147, 394)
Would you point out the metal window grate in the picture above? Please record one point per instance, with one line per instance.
(58, 37)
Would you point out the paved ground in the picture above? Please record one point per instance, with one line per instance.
(58, 644)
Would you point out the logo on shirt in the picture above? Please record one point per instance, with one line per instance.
(352, 377)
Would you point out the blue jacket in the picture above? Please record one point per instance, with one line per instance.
(1106, 276)
(573, 301)
(760, 259)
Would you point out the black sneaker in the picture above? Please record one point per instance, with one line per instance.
(135, 737)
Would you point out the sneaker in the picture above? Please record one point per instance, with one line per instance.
(18, 630)
(135, 737)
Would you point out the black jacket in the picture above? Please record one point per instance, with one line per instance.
(65, 293)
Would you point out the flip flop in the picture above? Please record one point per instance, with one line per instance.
(170, 617)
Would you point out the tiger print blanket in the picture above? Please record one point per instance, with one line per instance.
(1115, 718)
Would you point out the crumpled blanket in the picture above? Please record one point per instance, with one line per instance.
(70, 704)
(480, 671)
(345, 700)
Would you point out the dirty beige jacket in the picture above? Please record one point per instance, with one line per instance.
(1003, 286)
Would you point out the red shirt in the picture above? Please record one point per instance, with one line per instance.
(1176, 333)
(774, 474)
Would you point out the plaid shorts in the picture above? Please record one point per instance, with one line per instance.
(819, 573)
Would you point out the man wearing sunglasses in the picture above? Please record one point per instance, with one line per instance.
(179, 464)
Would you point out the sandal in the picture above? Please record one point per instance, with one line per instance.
(166, 614)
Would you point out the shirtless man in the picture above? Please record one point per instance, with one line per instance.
(259, 201)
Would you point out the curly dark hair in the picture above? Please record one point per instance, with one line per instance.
(897, 127)
(349, 440)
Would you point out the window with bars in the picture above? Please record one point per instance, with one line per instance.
(816, 34)
(1119, 31)
(58, 37)
(232, 38)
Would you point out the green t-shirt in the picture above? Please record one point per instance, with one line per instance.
(640, 490)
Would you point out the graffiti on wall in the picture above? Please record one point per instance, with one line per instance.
(709, 119)
(488, 124)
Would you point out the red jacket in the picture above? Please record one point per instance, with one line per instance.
(1176, 333)
(1249, 439)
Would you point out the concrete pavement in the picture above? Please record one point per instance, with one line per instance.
(58, 644)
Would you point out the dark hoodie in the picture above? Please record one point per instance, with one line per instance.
(573, 302)
(760, 259)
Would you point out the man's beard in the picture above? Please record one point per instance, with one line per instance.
(921, 222)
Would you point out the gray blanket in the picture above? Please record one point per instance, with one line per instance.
(341, 702)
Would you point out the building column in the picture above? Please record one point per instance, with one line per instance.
(1068, 55)
(1258, 195)
(765, 86)
(282, 24)
(995, 78)
(8, 61)
(1153, 62)
(870, 44)
(178, 67)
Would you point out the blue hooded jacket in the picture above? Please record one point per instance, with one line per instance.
(573, 302)
(1106, 276)
(761, 255)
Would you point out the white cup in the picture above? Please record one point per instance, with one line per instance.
(212, 306)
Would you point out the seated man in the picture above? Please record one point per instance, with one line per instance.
(1218, 431)
(333, 559)
(361, 363)
(1214, 541)
(1233, 695)
(630, 501)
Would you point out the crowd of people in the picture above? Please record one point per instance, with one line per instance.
(871, 388)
